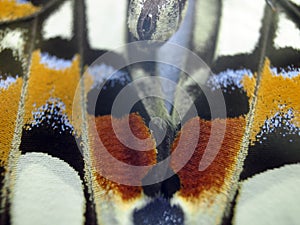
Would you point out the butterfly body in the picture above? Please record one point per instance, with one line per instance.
(154, 19)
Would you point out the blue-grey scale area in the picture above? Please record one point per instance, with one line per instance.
(159, 212)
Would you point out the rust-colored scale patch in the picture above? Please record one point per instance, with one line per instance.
(111, 150)
(9, 101)
(276, 94)
(45, 83)
(194, 182)
(11, 10)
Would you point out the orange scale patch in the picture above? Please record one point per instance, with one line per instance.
(45, 83)
(11, 10)
(9, 101)
(275, 94)
(195, 182)
(111, 144)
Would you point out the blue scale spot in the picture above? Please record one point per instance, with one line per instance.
(159, 212)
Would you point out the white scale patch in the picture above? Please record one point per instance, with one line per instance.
(271, 197)
(12, 39)
(206, 18)
(106, 22)
(287, 35)
(297, 2)
(46, 191)
(240, 24)
(60, 23)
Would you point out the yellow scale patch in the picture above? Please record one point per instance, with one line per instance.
(9, 101)
(276, 94)
(11, 10)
